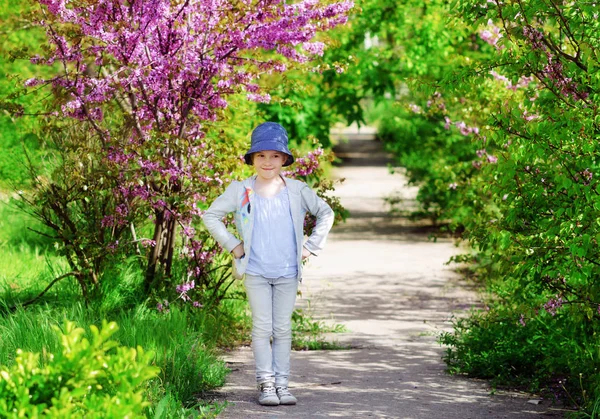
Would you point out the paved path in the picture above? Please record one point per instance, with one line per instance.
(386, 282)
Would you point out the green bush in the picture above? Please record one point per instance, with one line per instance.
(92, 378)
(553, 354)
(183, 342)
(503, 142)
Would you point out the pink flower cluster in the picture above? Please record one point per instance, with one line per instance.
(415, 108)
(199, 257)
(553, 304)
(183, 289)
(304, 166)
(484, 154)
(529, 116)
(162, 307)
(176, 59)
(553, 71)
(437, 101)
(522, 83)
(491, 35)
(587, 176)
(536, 37)
(566, 85)
(462, 127)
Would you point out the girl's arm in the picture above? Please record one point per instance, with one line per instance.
(213, 217)
(325, 216)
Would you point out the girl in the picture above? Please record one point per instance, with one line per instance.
(269, 217)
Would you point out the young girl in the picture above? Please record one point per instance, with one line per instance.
(269, 217)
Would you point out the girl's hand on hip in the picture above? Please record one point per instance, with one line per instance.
(238, 251)
(305, 253)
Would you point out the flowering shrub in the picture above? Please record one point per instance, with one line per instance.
(504, 145)
(141, 84)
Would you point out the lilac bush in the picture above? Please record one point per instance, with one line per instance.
(143, 83)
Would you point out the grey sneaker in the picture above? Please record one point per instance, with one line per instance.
(268, 395)
(285, 397)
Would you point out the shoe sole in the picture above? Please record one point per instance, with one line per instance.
(269, 403)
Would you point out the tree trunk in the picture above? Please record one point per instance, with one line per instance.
(161, 257)
(154, 254)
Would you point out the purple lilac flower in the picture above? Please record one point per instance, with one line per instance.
(553, 304)
(587, 176)
(492, 35)
(185, 287)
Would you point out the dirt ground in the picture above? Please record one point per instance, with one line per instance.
(383, 278)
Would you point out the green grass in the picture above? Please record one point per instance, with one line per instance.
(28, 261)
(187, 357)
(308, 334)
(186, 340)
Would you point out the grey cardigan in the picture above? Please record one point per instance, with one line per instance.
(239, 197)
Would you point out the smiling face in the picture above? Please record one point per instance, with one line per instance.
(268, 163)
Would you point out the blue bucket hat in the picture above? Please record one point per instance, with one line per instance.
(269, 136)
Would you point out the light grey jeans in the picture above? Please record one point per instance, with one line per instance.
(272, 303)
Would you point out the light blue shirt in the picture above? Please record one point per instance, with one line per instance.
(273, 253)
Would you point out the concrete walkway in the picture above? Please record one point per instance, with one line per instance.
(383, 279)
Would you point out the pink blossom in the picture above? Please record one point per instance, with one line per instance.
(553, 304)
(587, 176)
(263, 98)
(529, 117)
(148, 243)
(492, 35)
(415, 108)
(162, 306)
(314, 48)
(107, 221)
(304, 166)
(535, 37)
(523, 82)
(448, 122)
(112, 247)
(33, 82)
(568, 88)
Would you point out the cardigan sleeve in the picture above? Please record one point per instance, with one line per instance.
(213, 217)
(325, 216)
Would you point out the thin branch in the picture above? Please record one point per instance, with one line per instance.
(40, 295)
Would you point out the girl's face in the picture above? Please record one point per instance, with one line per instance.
(268, 163)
